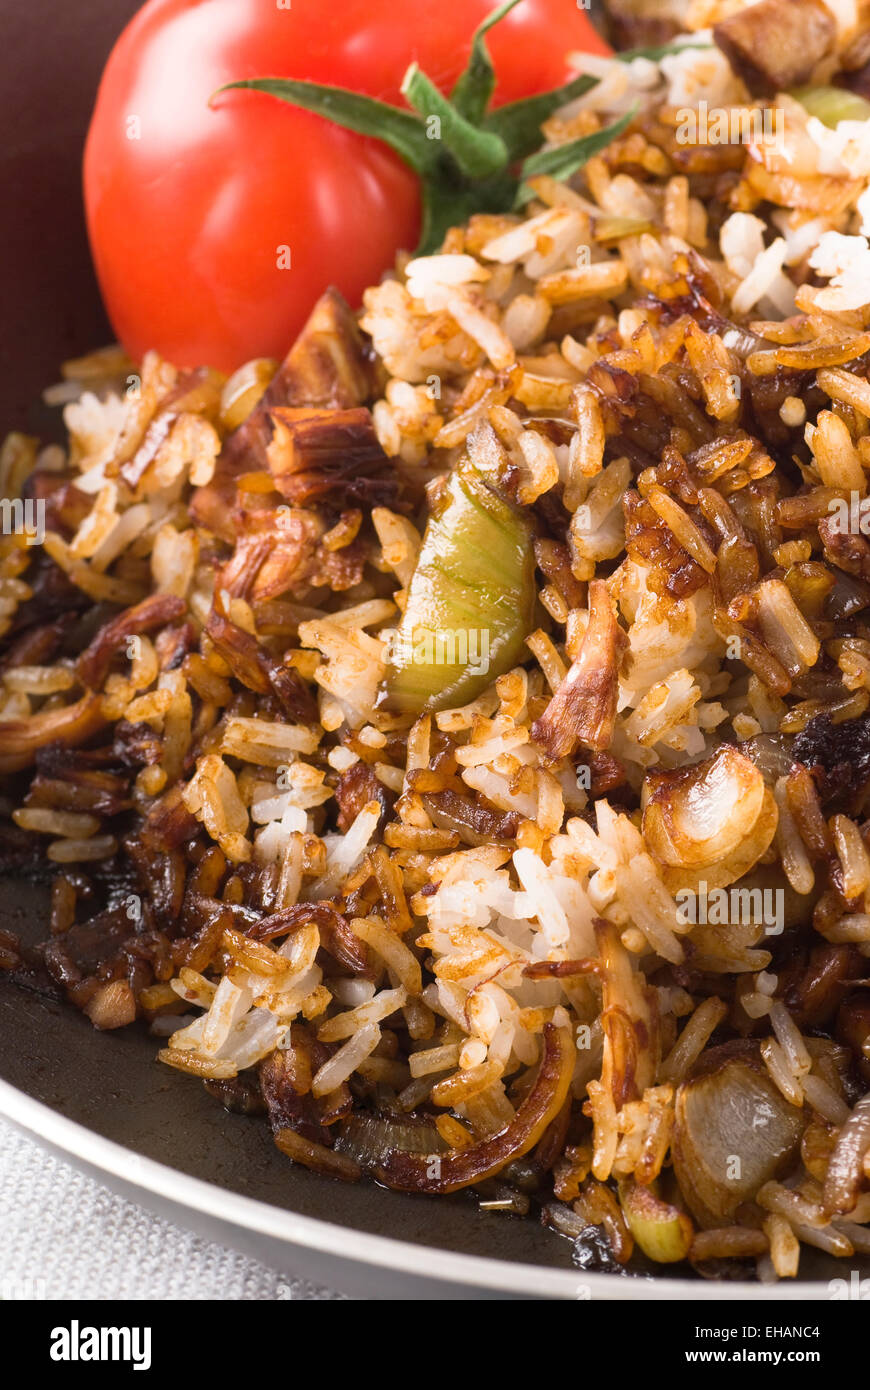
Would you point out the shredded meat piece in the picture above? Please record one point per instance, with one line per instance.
(329, 456)
(285, 1083)
(275, 551)
(776, 44)
(847, 549)
(641, 23)
(355, 789)
(279, 550)
(325, 368)
(583, 709)
(155, 611)
(256, 668)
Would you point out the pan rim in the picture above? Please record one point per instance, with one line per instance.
(78, 1142)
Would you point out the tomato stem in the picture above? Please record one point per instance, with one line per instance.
(519, 123)
(469, 159)
(400, 130)
(477, 153)
(473, 91)
(563, 161)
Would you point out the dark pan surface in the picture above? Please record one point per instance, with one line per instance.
(112, 1083)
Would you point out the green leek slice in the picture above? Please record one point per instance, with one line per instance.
(831, 105)
(470, 601)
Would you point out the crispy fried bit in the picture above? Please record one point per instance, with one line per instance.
(583, 709)
(155, 611)
(330, 456)
(355, 789)
(325, 369)
(630, 1019)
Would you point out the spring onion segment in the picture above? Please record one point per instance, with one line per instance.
(831, 105)
(470, 600)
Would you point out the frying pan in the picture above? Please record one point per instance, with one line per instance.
(101, 1099)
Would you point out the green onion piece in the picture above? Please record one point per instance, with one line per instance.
(831, 105)
(473, 92)
(663, 1232)
(470, 600)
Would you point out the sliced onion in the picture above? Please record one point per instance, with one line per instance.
(21, 738)
(370, 1138)
(335, 933)
(771, 754)
(738, 864)
(700, 814)
(408, 1172)
(733, 1132)
(317, 1156)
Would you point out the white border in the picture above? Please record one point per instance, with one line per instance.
(498, 1276)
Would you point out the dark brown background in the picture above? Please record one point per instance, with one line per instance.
(50, 62)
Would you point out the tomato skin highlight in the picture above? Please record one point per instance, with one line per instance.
(194, 209)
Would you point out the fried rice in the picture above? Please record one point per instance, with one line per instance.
(592, 940)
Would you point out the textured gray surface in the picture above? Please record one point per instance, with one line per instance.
(65, 1236)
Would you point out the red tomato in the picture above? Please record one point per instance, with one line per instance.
(194, 211)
